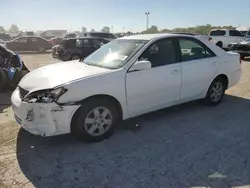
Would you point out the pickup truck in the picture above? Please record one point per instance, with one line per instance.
(224, 37)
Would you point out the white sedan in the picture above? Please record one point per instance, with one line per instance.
(125, 78)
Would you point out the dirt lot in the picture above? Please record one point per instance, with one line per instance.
(190, 145)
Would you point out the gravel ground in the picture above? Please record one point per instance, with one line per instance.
(190, 145)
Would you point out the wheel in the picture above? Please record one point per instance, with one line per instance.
(75, 57)
(41, 49)
(95, 120)
(220, 44)
(216, 92)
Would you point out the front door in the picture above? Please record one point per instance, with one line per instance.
(199, 66)
(159, 86)
(20, 44)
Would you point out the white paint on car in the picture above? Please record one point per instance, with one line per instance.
(137, 92)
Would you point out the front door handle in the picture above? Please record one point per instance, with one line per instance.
(176, 71)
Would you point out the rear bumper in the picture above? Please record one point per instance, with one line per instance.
(234, 78)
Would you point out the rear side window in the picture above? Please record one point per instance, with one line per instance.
(69, 43)
(218, 33)
(193, 50)
(235, 33)
(83, 42)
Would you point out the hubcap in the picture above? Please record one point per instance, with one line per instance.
(98, 121)
(216, 91)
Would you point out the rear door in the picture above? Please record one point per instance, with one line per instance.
(199, 65)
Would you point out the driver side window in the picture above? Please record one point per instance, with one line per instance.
(21, 40)
(161, 52)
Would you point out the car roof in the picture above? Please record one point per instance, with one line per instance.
(99, 32)
(222, 29)
(83, 38)
(152, 36)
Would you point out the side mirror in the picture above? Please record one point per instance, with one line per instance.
(140, 65)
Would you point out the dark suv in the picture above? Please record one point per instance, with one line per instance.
(77, 48)
(107, 36)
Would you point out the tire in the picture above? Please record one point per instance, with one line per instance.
(86, 125)
(75, 57)
(219, 44)
(216, 92)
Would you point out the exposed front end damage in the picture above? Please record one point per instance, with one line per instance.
(45, 118)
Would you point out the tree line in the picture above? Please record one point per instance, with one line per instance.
(199, 29)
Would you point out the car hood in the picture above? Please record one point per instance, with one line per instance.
(57, 74)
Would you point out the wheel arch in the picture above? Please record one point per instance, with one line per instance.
(224, 77)
(99, 96)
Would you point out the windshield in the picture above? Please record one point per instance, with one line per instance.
(115, 54)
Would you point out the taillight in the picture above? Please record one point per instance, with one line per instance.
(241, 59)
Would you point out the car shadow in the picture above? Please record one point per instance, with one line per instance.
(183, 146)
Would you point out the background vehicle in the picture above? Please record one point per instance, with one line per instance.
(5, 36)
(243, 30)
(48, 34)
(226, 37)
(70, 35)
(125, 78)
(193, 34)
(29, 43)
(243, 48)
(77, 48)
(107, 36)
(10, 75)
(57, 40)
(26, 33)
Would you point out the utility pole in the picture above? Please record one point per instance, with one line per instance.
(147, 19)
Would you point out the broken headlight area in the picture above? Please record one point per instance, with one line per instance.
(45, 96)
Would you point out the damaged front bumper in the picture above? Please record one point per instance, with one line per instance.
(45, 119)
